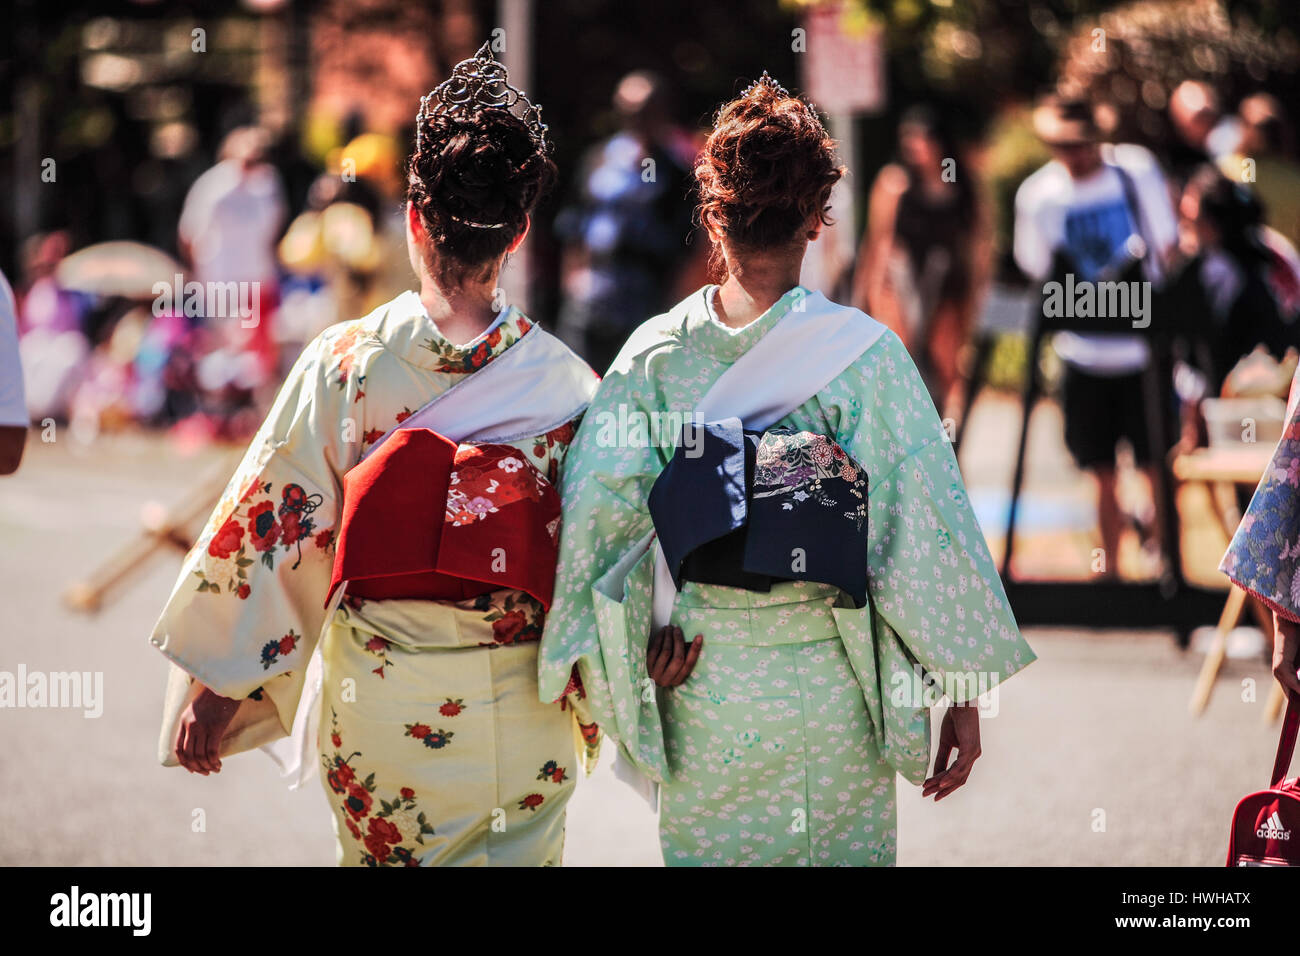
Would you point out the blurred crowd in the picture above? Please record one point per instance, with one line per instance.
(1212, 224)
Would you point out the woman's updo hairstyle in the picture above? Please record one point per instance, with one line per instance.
(766, 169)
(478, 169)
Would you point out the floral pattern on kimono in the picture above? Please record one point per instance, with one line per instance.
(937, 603)
(247, 609)
(795, 465)
(386, 829)
(482, 487)
(462, 360)
(1264, 555)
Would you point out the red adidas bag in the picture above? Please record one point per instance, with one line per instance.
(1266, 825)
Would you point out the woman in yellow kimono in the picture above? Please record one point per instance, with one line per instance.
(397, 514)
(762, 473)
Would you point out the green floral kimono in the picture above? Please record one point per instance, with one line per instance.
(782, 745)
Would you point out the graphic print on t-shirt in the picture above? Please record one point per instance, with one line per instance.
(1095, 236)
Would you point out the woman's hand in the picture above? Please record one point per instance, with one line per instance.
(1286, 653)
(667, 660)
(960, 729)
(202, 727)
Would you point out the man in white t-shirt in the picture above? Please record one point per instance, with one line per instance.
(228, 231)
(232, 215)
(1092, 211)
(13, 406)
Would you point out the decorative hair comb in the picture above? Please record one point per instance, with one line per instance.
(476, 84)
(766, 80)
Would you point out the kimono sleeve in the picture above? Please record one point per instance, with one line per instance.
(248, 606)
(605, 570)
(1264, 555)
(931, 578)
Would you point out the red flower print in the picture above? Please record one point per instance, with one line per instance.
(287, 644)
(244, 591)
(403, 415)
(562, 435)
(376, 644)
(358, 802)
(253, 486)
(293, 528)
(589, 732)
(262, 528)
(384, 830)
(336, 740)
(227, 539)
(494, 338)
(372, 436)
(506, 628)
(539, 450)
(419, 731)
(524, 324)
(325, 538)
(376, 845)
(452, 708)
(480, 355)
(346, 340)
(293, 497)
(356, 832)
(531, 802)
(553, 772)
(340, 777)
(408, 793)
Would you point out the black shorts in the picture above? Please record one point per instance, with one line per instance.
(1099, 411)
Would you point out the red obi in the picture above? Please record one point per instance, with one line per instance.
(426, 518)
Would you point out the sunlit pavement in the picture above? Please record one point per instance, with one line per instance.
(1092, 757)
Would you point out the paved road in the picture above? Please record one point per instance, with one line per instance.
(1092, 759)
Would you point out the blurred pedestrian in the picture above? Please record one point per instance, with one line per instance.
(13, 405)
(52, 321)
(625, 236)
(924, 251)
(1202, 132)
(1221, 289)
(227, 233)
(1096, 216)
(1263, 162)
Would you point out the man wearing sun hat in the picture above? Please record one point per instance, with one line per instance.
(1096, 211)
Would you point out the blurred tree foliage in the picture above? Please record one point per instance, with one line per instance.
(1131, 59)
(980, 55)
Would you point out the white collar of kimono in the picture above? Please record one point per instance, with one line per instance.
(535, 385)
(804, 351)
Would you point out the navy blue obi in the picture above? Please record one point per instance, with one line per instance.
(745, 508)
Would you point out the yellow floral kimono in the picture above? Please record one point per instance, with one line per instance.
(433, 746)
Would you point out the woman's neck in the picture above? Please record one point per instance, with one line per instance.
(755, 287)
(462, 313)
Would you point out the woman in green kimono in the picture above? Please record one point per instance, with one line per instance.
(762, 471)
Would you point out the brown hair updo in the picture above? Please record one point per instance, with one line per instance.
(767, 168)
(469, 174)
